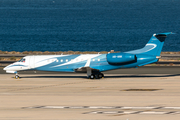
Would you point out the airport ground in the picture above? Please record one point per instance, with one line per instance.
(146, 93)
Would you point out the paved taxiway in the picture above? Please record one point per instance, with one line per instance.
(73, 97)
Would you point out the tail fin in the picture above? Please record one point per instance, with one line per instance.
(154, 46)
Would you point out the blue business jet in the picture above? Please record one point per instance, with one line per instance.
(92, 64)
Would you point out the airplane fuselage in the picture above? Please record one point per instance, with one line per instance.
(71, 63)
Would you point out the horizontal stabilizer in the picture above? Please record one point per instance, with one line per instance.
(162, 36)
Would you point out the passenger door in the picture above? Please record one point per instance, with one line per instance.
(31, 62)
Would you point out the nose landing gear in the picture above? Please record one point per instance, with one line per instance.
(16, 76)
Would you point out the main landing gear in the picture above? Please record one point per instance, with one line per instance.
(94, 74)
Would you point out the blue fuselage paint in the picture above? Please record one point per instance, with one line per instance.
(100, 63)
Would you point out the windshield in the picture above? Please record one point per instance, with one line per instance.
(22, 60)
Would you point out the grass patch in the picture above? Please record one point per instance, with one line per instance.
(13, 58)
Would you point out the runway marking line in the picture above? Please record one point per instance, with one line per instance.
(132, 112)
(125, 110)
(100, 107)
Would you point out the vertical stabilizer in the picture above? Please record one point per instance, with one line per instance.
(154, 46)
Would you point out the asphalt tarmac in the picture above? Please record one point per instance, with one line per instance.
(119, 96)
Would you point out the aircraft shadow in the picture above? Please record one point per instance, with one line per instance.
(53, 77)
(119, 76)
(141, 76)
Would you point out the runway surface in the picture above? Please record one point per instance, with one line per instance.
(73, 97)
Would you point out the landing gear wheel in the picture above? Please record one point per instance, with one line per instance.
(97, 76)
(92, 76)
(100, 75)
(16, 77)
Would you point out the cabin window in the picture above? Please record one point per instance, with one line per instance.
(98, 59)
(57, 60)
(66, 60)
(22, 60)
(93, 59)
(61, 60)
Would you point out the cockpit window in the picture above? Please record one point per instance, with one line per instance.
(22, 60)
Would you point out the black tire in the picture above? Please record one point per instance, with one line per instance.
(92, 76)
(100, 75)
(97, 76)
(17, 77)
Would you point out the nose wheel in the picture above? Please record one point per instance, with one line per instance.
(16, 76)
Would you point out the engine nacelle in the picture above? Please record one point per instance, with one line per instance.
(120, 58)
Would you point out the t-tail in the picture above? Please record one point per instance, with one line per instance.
(154, 46)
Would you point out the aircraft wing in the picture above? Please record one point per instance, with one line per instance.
(86, 67)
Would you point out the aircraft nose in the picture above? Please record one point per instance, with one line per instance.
(5, 68)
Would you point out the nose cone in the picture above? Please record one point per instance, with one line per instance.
(5, 68)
